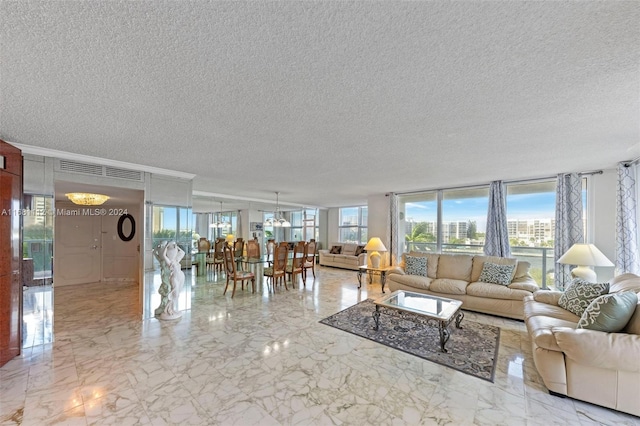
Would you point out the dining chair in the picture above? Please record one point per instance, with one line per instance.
(216, 260)
(252, 248)
(295, 266)
(277, 271)
(235, 275)
(309, 259)
(238, 247)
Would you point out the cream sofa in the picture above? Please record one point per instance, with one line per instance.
(456, 276)
(346, 259)
(594, 366)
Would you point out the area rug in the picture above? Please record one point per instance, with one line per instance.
(472, 349)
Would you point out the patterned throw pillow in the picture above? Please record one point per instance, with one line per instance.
(359, 250)
(497, 274)
(336, 250)
(609, 313)
(415, 265)
(580, 294)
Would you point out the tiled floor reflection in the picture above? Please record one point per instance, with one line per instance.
(260, 359)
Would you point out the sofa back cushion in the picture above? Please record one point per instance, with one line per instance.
(432, 262)
(349, 249)
(455, 266)
(478, 264)
(624, 282)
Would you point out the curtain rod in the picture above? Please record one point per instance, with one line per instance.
(594, 172)
(631, 162)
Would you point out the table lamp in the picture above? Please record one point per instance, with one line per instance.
(584, 256)
(230, 239)
(373, 247)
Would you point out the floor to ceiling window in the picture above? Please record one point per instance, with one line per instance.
(352, 226)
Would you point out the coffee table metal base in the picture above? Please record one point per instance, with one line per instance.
(443, 326)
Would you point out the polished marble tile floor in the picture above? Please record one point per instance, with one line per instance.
(261, 359)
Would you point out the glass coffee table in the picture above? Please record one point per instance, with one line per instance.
(429, 308)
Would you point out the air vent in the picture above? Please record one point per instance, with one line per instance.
(123, 173)
(75, 167)
(99, 170)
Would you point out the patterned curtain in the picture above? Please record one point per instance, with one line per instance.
(626, 217)
(393, 230)
(569, 228)
(497, 237)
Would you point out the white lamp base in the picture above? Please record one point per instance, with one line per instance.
(375, 259)
(585, 273)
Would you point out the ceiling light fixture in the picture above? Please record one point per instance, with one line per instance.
(86, 199)
(278, 220)
(220, 223)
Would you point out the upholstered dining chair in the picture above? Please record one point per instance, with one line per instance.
(309, 259)
(294, 267)
(276, 272)
(235, 275)
(238, 247)
(216, 260)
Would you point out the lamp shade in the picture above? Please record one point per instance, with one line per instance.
(584, 255)
(375, 244)
(230, 238)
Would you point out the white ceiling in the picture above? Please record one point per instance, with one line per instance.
(326, 102)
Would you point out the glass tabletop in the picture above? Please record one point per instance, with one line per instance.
(424, 304)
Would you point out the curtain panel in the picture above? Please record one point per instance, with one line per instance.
(394, 237)
(569, 228)
(497, 237)
(627, 258)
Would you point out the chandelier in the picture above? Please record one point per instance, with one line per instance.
(86, 199)
(220, 223)
(278, 220)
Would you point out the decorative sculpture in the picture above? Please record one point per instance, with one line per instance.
(169, 255)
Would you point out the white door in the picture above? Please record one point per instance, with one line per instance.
(78, 249)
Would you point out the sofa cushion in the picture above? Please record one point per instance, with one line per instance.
(494, 273)
(416, 265)
(624, 282)
(349, 249)
(414, 281)
(522, 269)
(524, 285)
(540, 328)
(432, 261)
(359, 250)
(479, 261)
(455, 266)
(492, 291)
(609, 313)
(534, 308)
(580, 294)
(449, 286)
(335, 250)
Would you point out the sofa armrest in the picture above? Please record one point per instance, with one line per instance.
(547, 296)
(362, 259)
(396, 270)
(613, 351)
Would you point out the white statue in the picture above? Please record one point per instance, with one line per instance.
(165, 272)
(172, 255)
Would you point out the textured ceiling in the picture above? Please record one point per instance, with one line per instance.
(326, 102)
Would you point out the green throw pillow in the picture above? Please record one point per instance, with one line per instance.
(580, 294)
(415, 265)
(609, 313)
(496, 274)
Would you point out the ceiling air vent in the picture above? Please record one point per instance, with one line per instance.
(75, 167)
(123, 173)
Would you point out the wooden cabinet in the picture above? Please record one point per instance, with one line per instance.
(10, 252)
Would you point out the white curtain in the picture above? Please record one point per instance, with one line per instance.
(497, 237)
(394, 249)
(569, 227)
(626, 221)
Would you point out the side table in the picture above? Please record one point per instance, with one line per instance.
(382, 272)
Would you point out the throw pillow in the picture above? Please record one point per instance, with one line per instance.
(359, 250)
(609, 313)
(496, 274)
(336, 250)
(415, 265)
(580, 294)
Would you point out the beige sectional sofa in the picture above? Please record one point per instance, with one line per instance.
(595, 366)
(456, 276)
(347, 257)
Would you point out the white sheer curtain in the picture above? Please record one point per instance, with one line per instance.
(569, 227)
(497, 237)
(394, 249)
(627, 258)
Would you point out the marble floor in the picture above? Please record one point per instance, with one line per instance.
(261, 359)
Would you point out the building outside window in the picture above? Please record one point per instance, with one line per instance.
(352, 226)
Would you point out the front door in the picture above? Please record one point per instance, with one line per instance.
(78, 254)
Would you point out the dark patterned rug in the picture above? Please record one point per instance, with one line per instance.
(472, 349)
